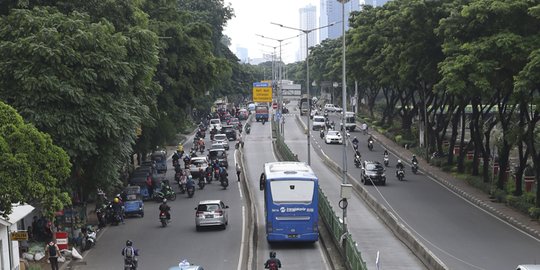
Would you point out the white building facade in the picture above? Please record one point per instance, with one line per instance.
(308, 20)
(9, 250)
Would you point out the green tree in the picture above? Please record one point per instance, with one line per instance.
(32, 169)
(82, 82)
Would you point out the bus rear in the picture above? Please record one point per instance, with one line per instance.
(291, 202)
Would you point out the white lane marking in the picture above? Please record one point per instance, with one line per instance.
(241, 257)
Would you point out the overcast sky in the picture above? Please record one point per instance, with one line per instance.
(253, 17)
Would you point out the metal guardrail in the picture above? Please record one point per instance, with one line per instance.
(352, 256)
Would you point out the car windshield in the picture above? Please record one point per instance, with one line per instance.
(318, 119)
(218, 153)
(217, 146)
(374, 167)
(220, 137)
(292, 191)
(215, 121)
(208, 207)
(199, 163)
(333, 133)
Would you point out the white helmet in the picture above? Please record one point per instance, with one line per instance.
(399, 161)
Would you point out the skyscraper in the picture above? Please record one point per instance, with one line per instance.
(242, 54)
(323, 20)
(308, 20)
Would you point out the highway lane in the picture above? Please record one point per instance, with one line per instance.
(460, 234)
(162, 248)
(371, 233)
(257, 151)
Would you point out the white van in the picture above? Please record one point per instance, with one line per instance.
(215, 123)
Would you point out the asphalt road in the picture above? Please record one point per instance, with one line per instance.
(372, 236)
(161, 248)
(258, 150)
(460, 234)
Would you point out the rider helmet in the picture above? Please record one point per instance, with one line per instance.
(190, 177)
(413, 156)
(129, 243)
(399, 161)
(164, 200)
(272, 254)
(116, 200)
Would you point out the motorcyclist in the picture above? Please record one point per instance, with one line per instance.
(165, 208)
(385, 153)
(187, 160)
(190, 182)
(223, 174)
(273, 262)
(321, 133)
(201, 175)
(355, 140)
(414, 159)
(370, 139)
(130, 253)
(118, 208)
(399, 166)
(175, 158)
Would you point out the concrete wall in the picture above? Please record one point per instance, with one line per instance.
(4, 256)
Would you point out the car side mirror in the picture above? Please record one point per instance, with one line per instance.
(226, 206)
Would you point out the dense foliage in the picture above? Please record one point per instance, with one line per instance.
(446, 62)
(32, 169)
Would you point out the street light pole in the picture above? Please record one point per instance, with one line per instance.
(344, 99)
(280, 72)
(306, 32)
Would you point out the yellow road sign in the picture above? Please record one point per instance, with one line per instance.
(262, 92)
(19, 236)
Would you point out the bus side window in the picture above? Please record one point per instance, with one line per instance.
(262, 181)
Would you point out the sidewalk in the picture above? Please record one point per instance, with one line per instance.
(462, 188)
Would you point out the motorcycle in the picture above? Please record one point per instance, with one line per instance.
(225, 183)
(163, 219)
(129, 264)
(386, 161)
(248, 129)
(168, 194)
(201, 148)
(321, 133)
(355, 146)
(178, 177)
(202, 182)
(370, 145)
(414, 167)
(89, 239)
(400, 174)
(357, 161)
(191, 191)
(216, 174)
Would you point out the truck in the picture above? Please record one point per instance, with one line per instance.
(304, 105)
(261, 112)
(350, 121)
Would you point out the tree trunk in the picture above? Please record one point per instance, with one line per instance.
(455, 122)
(462, 149)
(504, 154)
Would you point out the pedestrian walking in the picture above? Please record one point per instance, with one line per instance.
(53, 251)
(238, 171)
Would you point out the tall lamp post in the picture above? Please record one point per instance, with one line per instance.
(280, 78)
(344, 129)
(306, 32)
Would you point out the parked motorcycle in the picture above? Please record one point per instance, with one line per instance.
(414, 167)
(163, 219)
(89, 239)
(400, 175)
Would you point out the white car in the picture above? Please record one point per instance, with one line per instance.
(215, 123)
(211, 213)
(318, 122)
(313, 113)
(338, 109)
(333, 136)
(329, 108)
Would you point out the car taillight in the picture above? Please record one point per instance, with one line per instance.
(199, 214)
(218, 213)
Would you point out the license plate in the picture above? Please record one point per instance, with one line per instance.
(292, 235)
(209, 216)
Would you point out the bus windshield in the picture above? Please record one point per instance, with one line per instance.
(292, 191)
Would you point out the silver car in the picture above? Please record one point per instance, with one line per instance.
(198, 163)
(211, 213)
(222, 139)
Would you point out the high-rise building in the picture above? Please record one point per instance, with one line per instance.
(308, 20)
(242, 54)
(323, 20)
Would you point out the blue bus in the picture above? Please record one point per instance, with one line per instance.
(291, 200)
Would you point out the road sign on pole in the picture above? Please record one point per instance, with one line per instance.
(262, 92)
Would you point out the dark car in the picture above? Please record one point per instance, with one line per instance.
(230, 132)
(220, 155)
(160, 157)
(373, 172)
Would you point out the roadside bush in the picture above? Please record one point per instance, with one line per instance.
(524, 204)
(534, 212)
